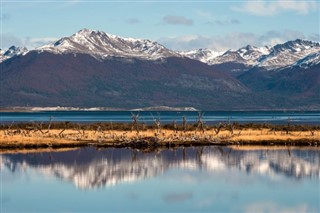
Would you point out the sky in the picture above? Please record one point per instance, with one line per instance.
(178, 24)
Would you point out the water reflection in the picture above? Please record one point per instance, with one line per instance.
(90, 168)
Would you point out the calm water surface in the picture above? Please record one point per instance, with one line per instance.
(165, 117)
(207, 179)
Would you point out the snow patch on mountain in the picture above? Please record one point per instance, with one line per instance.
(11, 52)
(308, 61)
(251, 53)
(203, 55)
(247, 55)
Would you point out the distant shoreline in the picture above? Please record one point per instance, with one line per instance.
(154, 108)
(88, 109)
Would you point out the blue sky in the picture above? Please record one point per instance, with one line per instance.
(179, 25)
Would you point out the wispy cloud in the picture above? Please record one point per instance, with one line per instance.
(8, 40)
(314, 37)
(233, 40)
(211, 19)
(133, 21)
(177, 20)
(204, 14)
(37, 42)
(265, 8)
(224, 22)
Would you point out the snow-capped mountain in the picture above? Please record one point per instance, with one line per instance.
(288, 53)
(11, 52)
(203, 55)
(101, 45)
(278, 56)
(251, 53)
(247, 55)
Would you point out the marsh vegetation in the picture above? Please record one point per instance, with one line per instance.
(138, 133)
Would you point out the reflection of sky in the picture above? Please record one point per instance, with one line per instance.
(218, 191)
(178, 188)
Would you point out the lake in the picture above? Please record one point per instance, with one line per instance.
(194, 179)
(165, 116)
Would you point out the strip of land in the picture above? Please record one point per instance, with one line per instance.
(66, 135)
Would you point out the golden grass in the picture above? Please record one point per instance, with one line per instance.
(71, 136)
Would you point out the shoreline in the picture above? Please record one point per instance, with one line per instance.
(71, 135)
(145, 109)
(27, 150)
(151, 143)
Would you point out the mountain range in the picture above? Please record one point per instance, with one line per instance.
(95, 69)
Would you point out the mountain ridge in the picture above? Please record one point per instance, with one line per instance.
(101, 45)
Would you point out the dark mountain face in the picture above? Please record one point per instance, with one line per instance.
(233, 69)
(46, 79)
(300, 86)
(288, 82)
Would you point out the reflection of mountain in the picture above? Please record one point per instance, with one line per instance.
(88, 168)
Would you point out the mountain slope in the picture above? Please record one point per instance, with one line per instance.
(47, 79)
(298, 84)
(308, 61)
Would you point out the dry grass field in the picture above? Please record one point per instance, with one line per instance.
(17, 137)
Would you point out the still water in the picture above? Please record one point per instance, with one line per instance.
(201, 179)
(164, 116)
